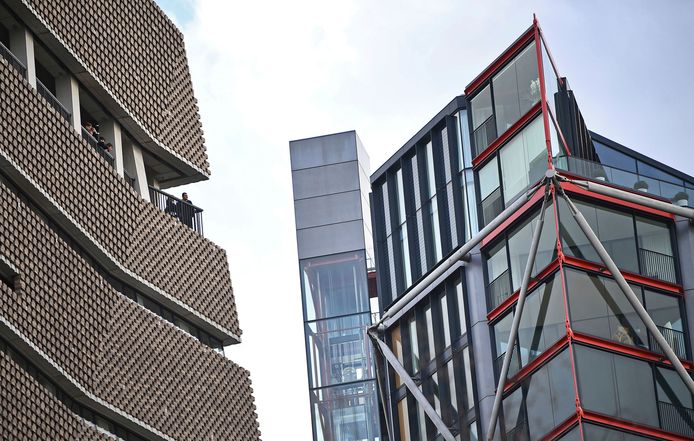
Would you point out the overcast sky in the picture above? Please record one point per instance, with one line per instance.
(266, 72)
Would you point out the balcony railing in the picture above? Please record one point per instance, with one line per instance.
(185, 212)
(484, 135)
(52, 100)
(492, 206)
(95, 145)
(676, 419)
(676, 193)
(499, 289)
(12, 60)
(674, 338)
(657, 265)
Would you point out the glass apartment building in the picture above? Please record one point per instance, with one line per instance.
(584, 365)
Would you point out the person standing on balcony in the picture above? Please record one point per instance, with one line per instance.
(186, 210)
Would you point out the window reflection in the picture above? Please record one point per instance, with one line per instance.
(335, 285)
(346, 413)
(516, 89)
(339, 351)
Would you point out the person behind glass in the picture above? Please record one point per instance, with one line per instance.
(102, 143)
(186, 210)
(109, 148)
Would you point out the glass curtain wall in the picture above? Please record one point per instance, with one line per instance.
(341, 374)
(637, 244)
(510, 94)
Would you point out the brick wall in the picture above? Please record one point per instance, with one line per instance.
(147, 241)
(144, 64)
(116, 349)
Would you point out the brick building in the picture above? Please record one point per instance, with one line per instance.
(114, 308)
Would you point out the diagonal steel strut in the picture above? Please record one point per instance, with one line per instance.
(517, 317)
(626, 289)
(411, 386)
(407, 301)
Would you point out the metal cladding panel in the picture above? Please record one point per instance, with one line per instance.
(323, 150)
(29, 412)
(330, 239)
(145, 240)
(326, 210)
(329, 179)
(144, 64)
(112, 347)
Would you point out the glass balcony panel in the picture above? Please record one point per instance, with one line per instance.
(655, 250)
(523, 160)
(551, 80)
(678, 194)
(616, 385)
(674, 403)
(516, 89)
(666, 312)
(543, 401)
(519, 246)
(489, 178)
(615, 230)
(599, 308)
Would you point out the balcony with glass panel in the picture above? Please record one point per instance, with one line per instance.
(633, 390)
(637, 244)
(511, 93)
(679, 194)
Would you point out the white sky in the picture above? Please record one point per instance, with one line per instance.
(266, 72)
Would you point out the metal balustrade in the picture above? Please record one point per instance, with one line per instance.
(499, 289)
(95, 145)
(676, 419)
(674, 338)
(52, 100)
(12, 60)
(657, 265)
(185, 212)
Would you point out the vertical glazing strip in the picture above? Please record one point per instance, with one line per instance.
(543, 89)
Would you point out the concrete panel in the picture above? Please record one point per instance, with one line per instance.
(330, 239)
(323, 150)
(325, 210)
(320, 181)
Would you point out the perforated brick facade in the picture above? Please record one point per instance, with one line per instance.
(146, 45)
(28, 412)
(122, 353)
(147, 241)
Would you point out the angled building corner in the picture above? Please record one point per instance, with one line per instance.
(114, 308)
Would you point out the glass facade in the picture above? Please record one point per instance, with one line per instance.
(517, 165)
(512, 92)
(580, 342)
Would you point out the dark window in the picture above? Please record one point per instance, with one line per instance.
(613, 158)
(542, 402)
(616, 385)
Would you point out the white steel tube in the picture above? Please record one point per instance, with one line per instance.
(516, 320)
(626, 289)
